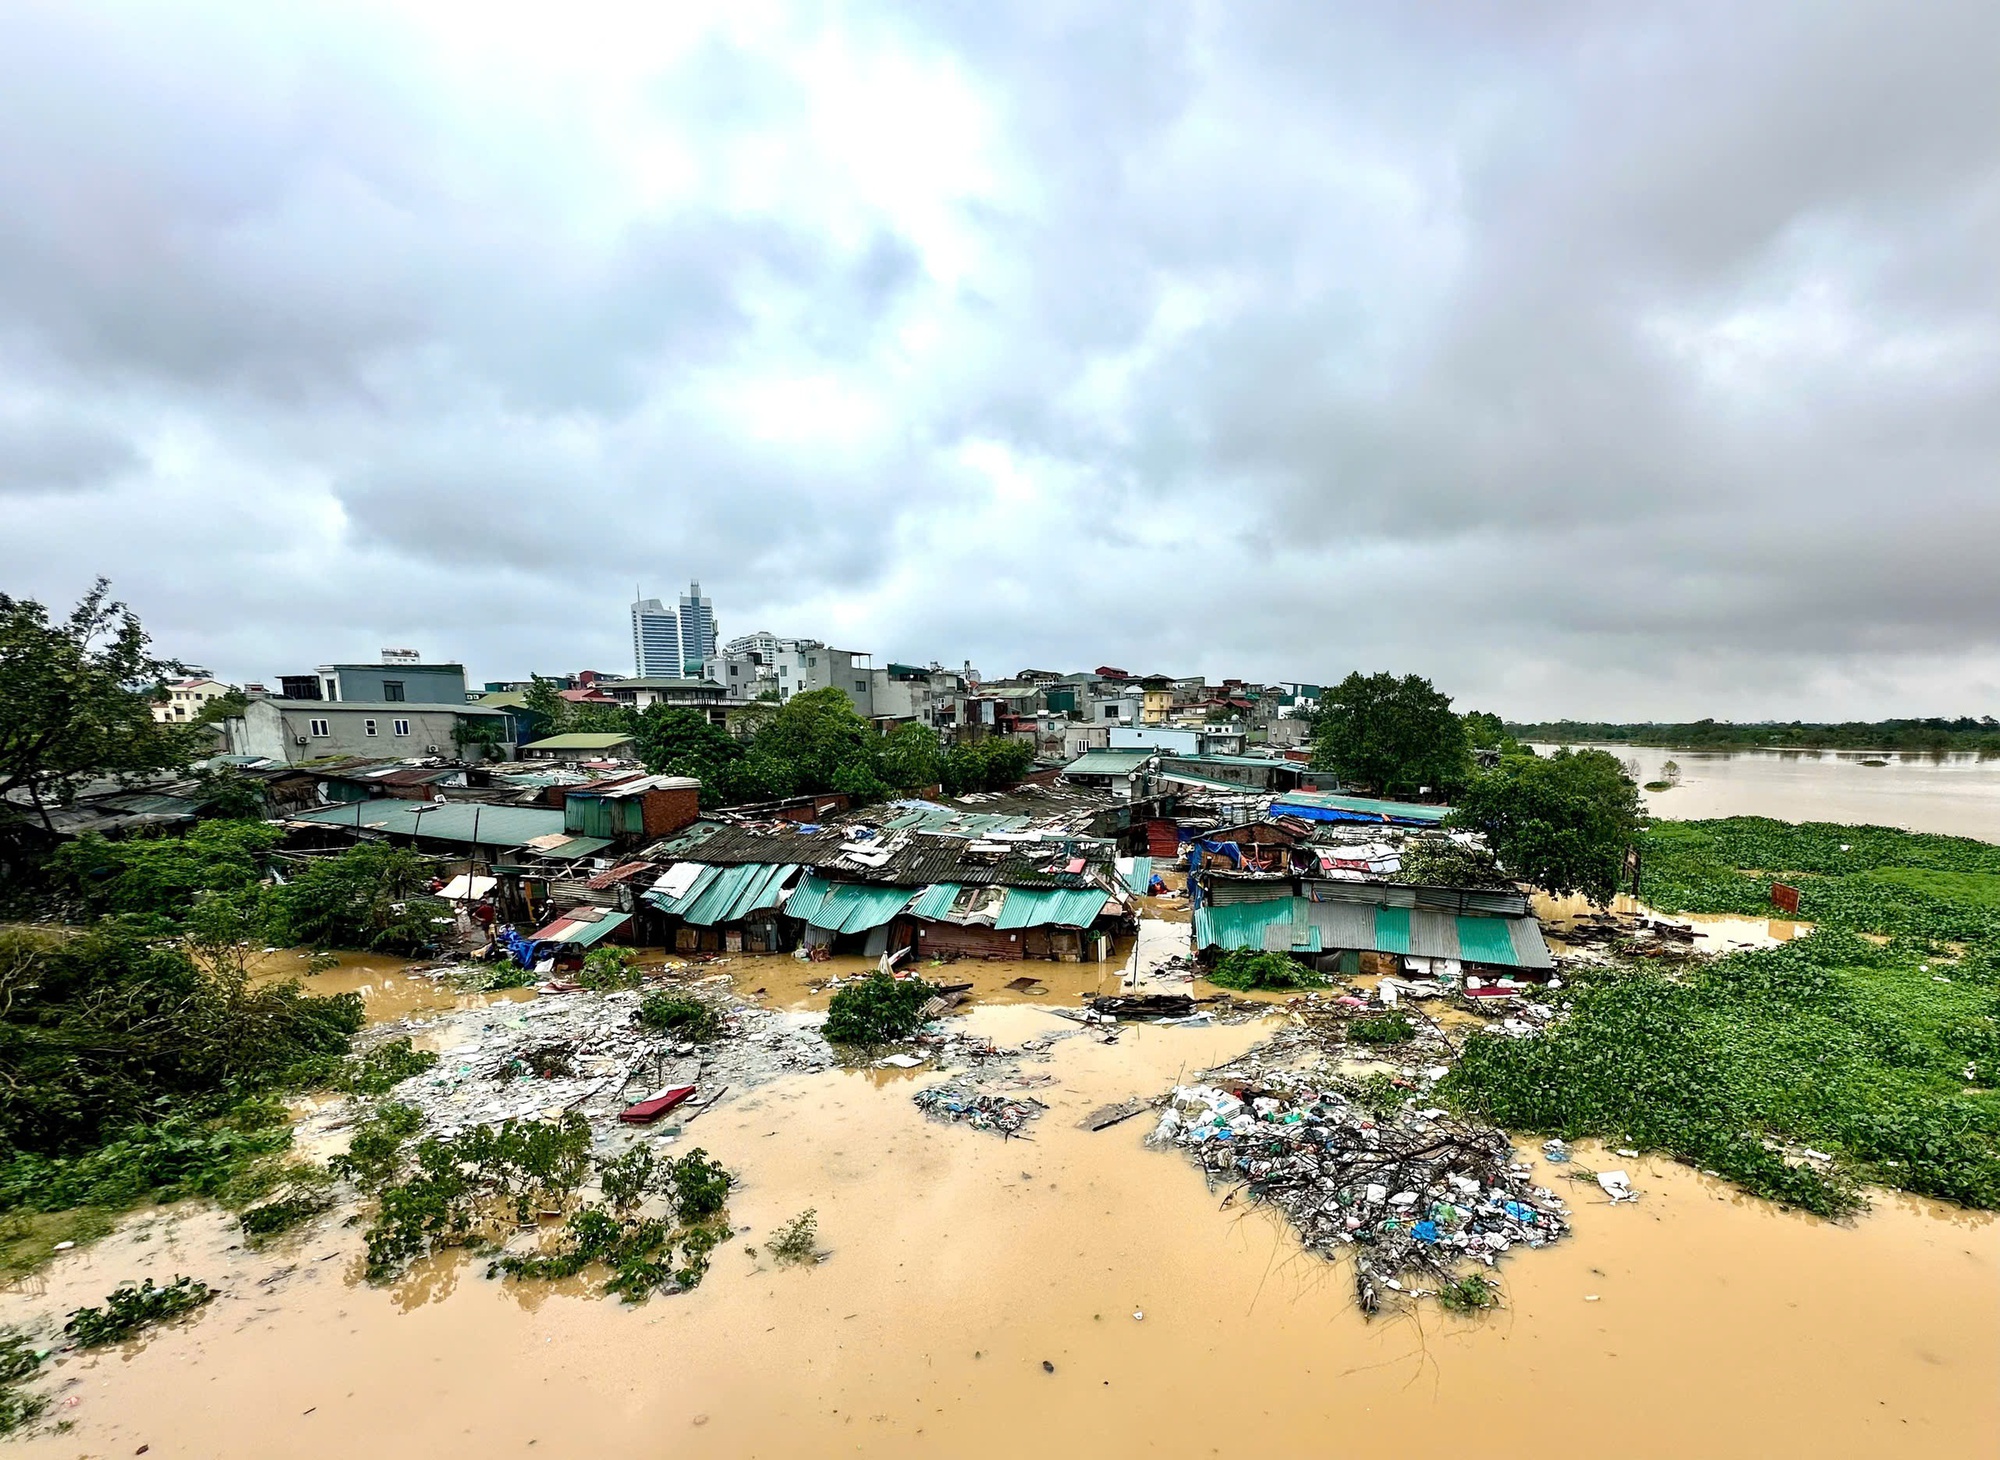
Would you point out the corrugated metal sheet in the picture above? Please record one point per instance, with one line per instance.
(499, 826)
(1239, 925)
(1141, 875)
(845, 907)
(1061, 906)
(934, 901)
(580, 933)
(736, 892)
(678, 906)
(1529, 949)
(1325, 806)
(1392, 930)
(1222, 891)
(1108, 762)
(1484, 940)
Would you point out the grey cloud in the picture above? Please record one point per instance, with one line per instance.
(1519, 345)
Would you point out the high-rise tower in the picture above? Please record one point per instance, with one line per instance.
(656, 640)
(697, 623)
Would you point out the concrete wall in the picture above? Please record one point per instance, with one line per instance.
(273, 728)
(423, 684)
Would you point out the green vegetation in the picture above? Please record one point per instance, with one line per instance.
(1469, 1294)
(1382, 1029)
(1244, 969)
(877, 1010)
(610, 968)
(797, 1241)
(19, 1359)
(376, 1147)
(1397, 737)
(131, 1307)
(1884, 1056)
(138, 1071)
(1562, 822)
(1980, 735)
(161, 876)
(1441, 861)
(476, 1189)
(373, 897)
(76, 704)
(682, 1015)
(307, 1194)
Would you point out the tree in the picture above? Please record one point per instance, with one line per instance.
(817, 742)
(676, 741)
(1397, 736)
(550, 709)
(910, 757)
(76, 701)
(1562, 822)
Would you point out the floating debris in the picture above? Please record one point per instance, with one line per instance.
(958, 1104)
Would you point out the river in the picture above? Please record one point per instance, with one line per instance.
(1953, 794)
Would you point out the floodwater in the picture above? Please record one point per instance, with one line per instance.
(1955, 795)
(390, 988)
(1694, 1322)
(1713, 932)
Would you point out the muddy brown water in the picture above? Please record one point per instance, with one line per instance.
(1694, 1322)
(1953, 794)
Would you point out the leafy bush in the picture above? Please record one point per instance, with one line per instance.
(700, 1186)
(376, 1072)
(1248, 968)
(464, 1189)
(629, 1177)
(797, 1241)
(373, 897)
(19, 1359)
(130, 1308)
(1381, 1029)
(376, 1148)
(877, 1010)
(274, 1217)
(680, 1014)
(162, 875)
(609, 968)
(1469, 1294)
(1442, 861)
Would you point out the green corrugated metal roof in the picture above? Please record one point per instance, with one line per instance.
(934, 901)
(678, 906)
(578, 741)
(1141, 875)
(1108, 762)
(1485, 940)
(452, 821)
(1239, 924)
(1069, 907)
(1392, 930)
(730, 883)
(845, 907)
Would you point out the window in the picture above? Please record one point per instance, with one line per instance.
(861, 686)
(400, 727)
(392, 689)
(367, 727)
(318, 728)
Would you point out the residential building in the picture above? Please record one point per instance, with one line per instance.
(578, 747)
(694, 694)
(1176, 739)
(1157, 699)
(400, 681)
(186, 698)
(1119, 709)
(808, 664)
(697, 616)
(300, 730)
(656, 639)
(745, 673)
(762, 643)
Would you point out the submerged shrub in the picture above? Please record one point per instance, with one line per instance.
(877, 1010)
(1244, 969)
(680, 1014)
(1382, 1029)
(129, 1308)
(797, 1240)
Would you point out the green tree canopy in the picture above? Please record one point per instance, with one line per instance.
(676, 741)
(818, 742)
(1562, 823)
(76, 700)
(1396, 736)
(910, 757)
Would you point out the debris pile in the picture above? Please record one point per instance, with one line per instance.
(960, 1104)
(1414, 1192)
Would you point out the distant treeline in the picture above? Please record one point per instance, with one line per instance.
(1964, 733)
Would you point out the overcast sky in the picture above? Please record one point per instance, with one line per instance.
(1593, 359)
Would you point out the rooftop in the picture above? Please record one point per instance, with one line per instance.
(580, 741)
(1108, 762)
(451, 821)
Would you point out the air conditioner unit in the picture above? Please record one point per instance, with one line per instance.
(300, 739)
(431, 749)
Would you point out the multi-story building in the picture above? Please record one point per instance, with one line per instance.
(698, 639)
(185, 699)
(808, 664)
(656, 639)
(400, 681)
(292, 731)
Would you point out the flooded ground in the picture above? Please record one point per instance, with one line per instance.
(1713, 932)
(1694, 1322)
(1955, 795)
(390, 988)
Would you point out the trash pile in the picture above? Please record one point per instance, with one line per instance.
(961, 1105)
(1414, 1192)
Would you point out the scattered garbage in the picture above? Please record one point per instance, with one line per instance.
(1411, 1191)
(654, 1106)
(1555, 1150)
(1144, 1006)
(1106, 1116)
(1617, 1185)
(958, 1104)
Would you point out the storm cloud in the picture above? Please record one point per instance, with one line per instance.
(1597, 360)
